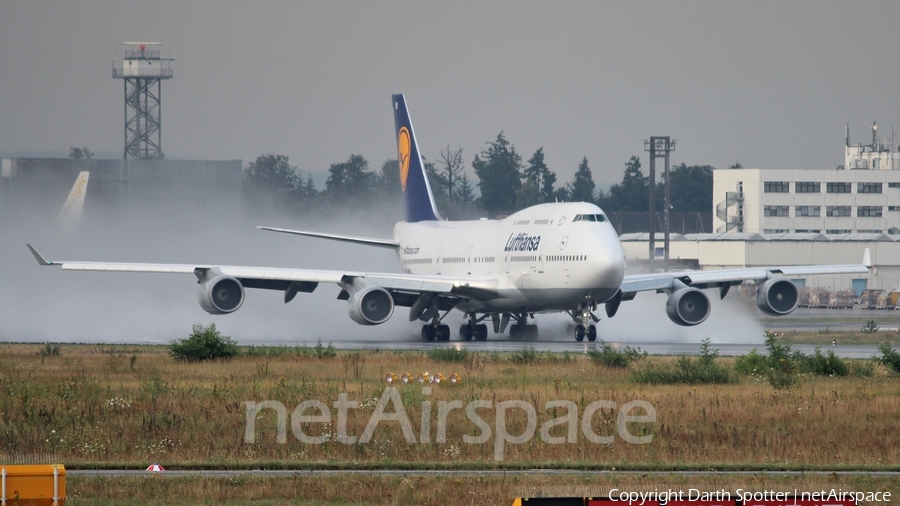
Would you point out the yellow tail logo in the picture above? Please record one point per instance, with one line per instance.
(403, 151)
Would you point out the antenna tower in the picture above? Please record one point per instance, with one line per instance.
(142, 71)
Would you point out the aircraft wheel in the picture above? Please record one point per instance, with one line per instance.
(481, 332)
(466, 332)
(579, 333)
(516, 332)
(443, 333)
(531, 332)
(592, 333)
(427, 333)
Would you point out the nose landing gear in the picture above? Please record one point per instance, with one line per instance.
(584, 323)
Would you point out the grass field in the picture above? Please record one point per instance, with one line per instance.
(127, 406)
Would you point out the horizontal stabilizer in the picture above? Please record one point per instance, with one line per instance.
(368, 241)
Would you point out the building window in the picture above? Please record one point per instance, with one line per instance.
(776, 231)
(807, 231)
(868, 187)
(807, 187)
(836, 211)
(868, 211)
(808, 211)
(893, 208)
(776, 211)
(868, 231)
(837, 187)
(893, 185)
(776, 187)
(837, 231)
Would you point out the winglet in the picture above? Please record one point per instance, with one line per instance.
(867, 258)
(38, 257)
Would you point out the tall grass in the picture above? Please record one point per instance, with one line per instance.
(90, 407)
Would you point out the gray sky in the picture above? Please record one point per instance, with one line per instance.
(769, 84)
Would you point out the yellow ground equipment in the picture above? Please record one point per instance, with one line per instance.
(39, 485)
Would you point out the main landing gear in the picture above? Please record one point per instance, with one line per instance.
(473, 329)
(436, 331)
(584, 323)
(521, 330)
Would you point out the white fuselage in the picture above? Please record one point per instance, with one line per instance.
(542, 258)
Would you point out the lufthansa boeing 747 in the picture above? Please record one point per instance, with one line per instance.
(557, 257)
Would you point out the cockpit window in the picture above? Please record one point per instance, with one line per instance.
(599, 218)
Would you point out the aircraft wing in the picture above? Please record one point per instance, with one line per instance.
(729, 277)
(404, 287)
(368, 241)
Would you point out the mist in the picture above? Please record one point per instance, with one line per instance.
(42, 304)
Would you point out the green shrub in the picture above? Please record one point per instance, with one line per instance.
(320, 351)
(204, 343)
(525, 356)
(889, 357)
(824, 364)
(49, 350)
(700, 371)
(869, 327)
(751, 363)
(448, 355)
(611, 356)
(863, 370)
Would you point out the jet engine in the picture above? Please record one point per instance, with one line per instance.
(687, 307)
(221, 295)
(371, 305)
(777, 297)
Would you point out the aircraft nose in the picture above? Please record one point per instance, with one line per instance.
(609, 263)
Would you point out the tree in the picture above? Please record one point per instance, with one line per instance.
(632, 193)
(464, 192)
(538, 181)
(582, 187)
(453, 165)
(736, 165)
(272, 173)
(389, 178)
(498, 171)
(80, 153)
(349, 180)
(691, 189)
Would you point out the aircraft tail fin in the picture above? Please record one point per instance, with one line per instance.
(417, 197)
(71, 211)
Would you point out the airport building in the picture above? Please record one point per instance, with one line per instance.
(768, 217)
(862, 196)
(164, 187)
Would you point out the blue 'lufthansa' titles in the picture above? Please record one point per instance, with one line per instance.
(522, 242)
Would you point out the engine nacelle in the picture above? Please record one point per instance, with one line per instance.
(221, 295)
(371, 305)
(777, 297)
(687, 307)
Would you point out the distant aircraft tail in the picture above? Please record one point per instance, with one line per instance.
(71, 211)
(417, 196)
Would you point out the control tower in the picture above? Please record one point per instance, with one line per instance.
(143, 70)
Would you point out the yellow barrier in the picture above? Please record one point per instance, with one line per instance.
(33, 484)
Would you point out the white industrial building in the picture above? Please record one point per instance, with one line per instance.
(766, 217)
(862, 196)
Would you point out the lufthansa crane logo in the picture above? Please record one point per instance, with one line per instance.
(404, 148)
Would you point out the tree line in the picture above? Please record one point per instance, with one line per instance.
(504, 183)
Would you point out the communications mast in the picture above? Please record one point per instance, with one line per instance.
(143, 70)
